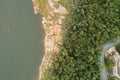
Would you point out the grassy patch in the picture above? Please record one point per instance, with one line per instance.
(65, 3)
(44, 7)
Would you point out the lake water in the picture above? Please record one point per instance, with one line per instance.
(21, 40)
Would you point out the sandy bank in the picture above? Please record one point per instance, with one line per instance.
(51, 21)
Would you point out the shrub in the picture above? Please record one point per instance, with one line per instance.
(118, 48)
(109, 63)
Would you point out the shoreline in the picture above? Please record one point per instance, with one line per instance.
(51, 23)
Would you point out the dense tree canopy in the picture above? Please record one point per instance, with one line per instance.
(92, 23)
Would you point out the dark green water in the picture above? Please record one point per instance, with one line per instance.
(21, 40)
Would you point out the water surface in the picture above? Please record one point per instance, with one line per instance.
(21, 44)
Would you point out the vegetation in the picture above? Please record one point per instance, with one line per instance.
(109, 63)
(118, 48)
(65, 3)
(44, 9)
(92, 23)
(113, 78)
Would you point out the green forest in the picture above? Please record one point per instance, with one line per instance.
(89, 25)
